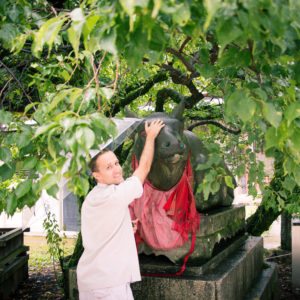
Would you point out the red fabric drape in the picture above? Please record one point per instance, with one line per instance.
(176, 208)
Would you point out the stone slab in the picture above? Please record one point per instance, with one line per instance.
(230, 280)
(238, 277)
(266, 287)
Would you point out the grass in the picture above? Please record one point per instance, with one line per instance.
(39, 258)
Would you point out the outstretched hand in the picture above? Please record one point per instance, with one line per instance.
(152, 130)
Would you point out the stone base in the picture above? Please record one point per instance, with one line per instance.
(241, 274)
(266, 286)
(234, 278)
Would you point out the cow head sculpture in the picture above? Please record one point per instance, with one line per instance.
(173, 147)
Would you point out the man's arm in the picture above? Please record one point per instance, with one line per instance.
(152, 130)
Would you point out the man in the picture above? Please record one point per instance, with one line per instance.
(110, 261)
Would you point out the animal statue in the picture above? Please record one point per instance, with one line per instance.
(168, 211)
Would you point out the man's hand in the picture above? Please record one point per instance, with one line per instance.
(152, 130)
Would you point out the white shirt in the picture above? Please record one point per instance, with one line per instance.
(110, 256)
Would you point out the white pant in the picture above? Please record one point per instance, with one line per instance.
(121, 292)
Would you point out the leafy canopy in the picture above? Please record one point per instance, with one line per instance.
(70, 67)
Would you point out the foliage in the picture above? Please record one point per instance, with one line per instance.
(73, 67)
(54, 240)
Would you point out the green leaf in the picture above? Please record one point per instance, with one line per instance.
(29, 163)
(8, 32)
(292, 112)
(77, 15)
(246, 109)
(74, 32)
(227, 32)
(228, 181)
(289, 184)
(156, 8)
(44, 128)
(11, 204)
(135, 51)
(5, 117)
(293, 143)
(51, 143)
(88, 27)
(85, 137)
(233, 56)
(241, 105)
(47, 35)
(261, 94)
(30, 106)
(108, 43)
(74, 94)
(271, 114)
(48, 181)
(182, 14)
(212, 7)
(74, 37)
(215, 186)
(23, 188)
(206, 190)
(271, 138)
(5, 154)
(23, 139)
(18, 43)
(296, 173)
(7, 171)
(107, 92)
(128, 6)
(84, 185)
(53, 190)
(61, 95)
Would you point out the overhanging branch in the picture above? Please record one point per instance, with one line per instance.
(213, 122)
(122, 102)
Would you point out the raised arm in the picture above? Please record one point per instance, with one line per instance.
(152, 130)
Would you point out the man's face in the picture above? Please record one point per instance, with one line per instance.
(109, 170)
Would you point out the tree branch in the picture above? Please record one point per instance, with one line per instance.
(16, 79)
(144, 89)
(212, 122)
(187, 64)
(179, 78)
(163, 94)
(184, 43)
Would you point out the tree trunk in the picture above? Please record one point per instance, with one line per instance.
(261, 220)
(286, 228)
(265, 215)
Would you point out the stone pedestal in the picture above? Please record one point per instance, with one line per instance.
(240, 275)
(226, 265)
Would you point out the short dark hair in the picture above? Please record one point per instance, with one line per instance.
(93, 162)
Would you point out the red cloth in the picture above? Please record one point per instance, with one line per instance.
(167, 218)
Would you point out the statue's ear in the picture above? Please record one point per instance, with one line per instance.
(129, 113)
(178, 111)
